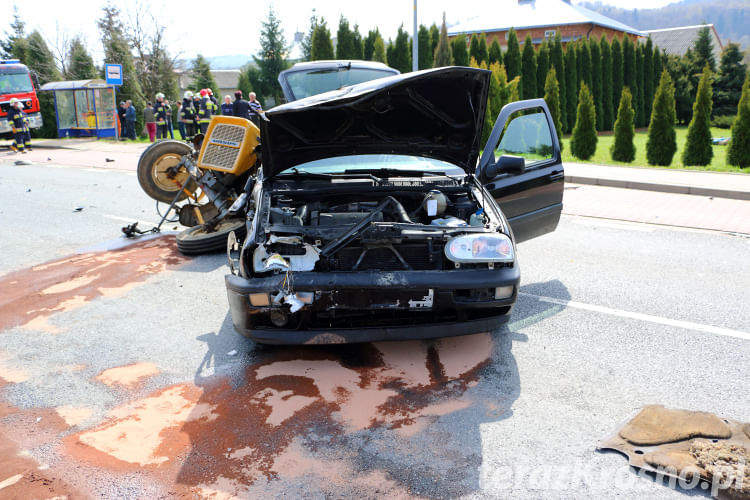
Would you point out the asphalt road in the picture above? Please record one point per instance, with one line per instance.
(121, 375)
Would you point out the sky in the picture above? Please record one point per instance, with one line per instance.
(235, 27)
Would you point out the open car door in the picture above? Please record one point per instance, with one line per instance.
(521, 167)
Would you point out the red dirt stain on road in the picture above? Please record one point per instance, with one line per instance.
(30, 296)
(129, 375)
(222, 439)
(20, 475)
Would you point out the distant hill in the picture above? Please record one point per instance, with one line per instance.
(220, 62)
(730, 17)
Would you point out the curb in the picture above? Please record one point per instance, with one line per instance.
(663, 188)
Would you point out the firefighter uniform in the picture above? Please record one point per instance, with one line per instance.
(188, 116)
(160, 114)
(26, 133)
(16, 117)
(207, 109)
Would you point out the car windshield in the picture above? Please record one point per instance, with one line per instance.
(366, 163)
(306, 83)
(17, 81)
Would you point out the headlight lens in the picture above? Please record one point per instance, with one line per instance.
(480, 248)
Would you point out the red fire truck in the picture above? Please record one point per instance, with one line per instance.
(16, 81)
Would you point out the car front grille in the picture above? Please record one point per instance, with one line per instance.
(386, 258)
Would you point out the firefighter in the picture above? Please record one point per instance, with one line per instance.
(206, 110)
(188, 114)
(26, 133)
(160, 113)
(16, 117)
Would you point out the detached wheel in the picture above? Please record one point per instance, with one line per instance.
(156, 174)
(196, 240)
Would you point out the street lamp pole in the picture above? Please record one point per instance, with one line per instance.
(415, 43)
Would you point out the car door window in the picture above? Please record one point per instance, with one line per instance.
(527, 134)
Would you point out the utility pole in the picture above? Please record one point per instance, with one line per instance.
(415, 43)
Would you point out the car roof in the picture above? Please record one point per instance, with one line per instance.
(301, 66)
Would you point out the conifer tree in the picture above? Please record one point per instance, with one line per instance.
(322, 45)
(571, 79)
(623, 148)
(369, 44)
(458, 49)
(699, 149)
(378, 52)
(607, 101)
(512, 56)
(728, 84)
(617, 72)
(584, 57)
(434, 38)
(542, 67)
(443, 56)
(344, 40)
(661, 144)
(504, 91)
(40, 60)
(648, 78)
(528, 70)
(399, 52)
(424, 42)
(202, 76)
(583, 142)
(495, 53)
(80, 63)
(739, 146)
(474, 48)
(557, 60)
(640, 118)
(596, 80)
(117, 51)
(271, 59)
(484, 55)
(552, 98)
(630, 79)
(357, 43)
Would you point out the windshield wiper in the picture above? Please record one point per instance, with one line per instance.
(303, 173)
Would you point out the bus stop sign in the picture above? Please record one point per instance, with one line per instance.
(113, 73)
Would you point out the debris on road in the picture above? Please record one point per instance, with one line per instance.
(22, 162)
(233, 352)
(109, 159)
(687, 445)
(77, 209)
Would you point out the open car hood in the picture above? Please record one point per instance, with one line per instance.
(437, 113)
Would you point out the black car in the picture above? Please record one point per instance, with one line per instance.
(309, 78)
(373, 219)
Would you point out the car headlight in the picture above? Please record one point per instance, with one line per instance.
(480, 248)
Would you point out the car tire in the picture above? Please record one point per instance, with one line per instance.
(195, 240)
(152, 174)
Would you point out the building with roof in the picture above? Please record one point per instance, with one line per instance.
(541, 19)
(677, 41)
(226, 79)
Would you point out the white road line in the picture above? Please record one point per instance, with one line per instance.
(129, 219)
(10, 481)
(726, 332)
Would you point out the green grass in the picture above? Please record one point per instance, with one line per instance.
(603, 157)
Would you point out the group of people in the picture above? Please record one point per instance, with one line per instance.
(126, 112)
(194, 114)
(20, 124)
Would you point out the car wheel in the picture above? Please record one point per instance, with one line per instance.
(197, 240)
(156, 174)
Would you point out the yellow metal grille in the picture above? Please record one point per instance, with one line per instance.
(223, 146)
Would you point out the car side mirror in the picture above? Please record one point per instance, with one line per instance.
(506, 164)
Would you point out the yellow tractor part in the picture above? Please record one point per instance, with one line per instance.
(229, 145)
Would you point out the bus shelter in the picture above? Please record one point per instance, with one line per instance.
(84, 108)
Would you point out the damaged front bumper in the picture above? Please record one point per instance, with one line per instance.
(349, 307)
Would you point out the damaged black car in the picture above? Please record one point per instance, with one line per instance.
(371, 217)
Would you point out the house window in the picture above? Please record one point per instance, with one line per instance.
(549, 34)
